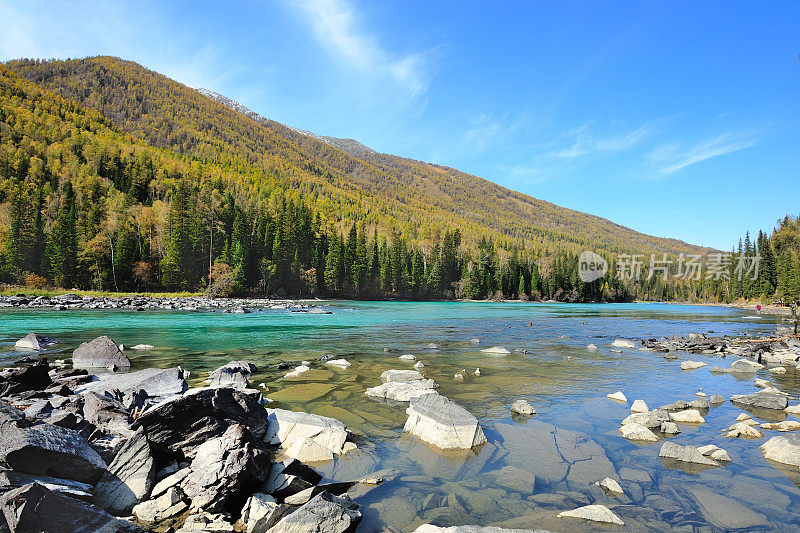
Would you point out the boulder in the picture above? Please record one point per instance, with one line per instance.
(496, 350)
(623, 343)
(106, 413)
(744, 366)
(443, 423)
(50, 450)
(233, 374)
(260, 512)
(308, 451)
(593, 513)
(34, 507)
(285, 428)
(639, 406)
(34, 341)
(784, 449)
(715, 452)
(341, 364)
(324, 513)
(760, 400)
(226, 467)
(169, 480)
(786, 425)
(102, 352)
(638, 432)
(651, 419)
(186, 422)
(129, 477)
(685, 454)
(11, 415)
(522, 407)
(669, 428)
(33, 377)
(156, 382)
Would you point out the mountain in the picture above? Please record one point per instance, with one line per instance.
(171, 115)
(126, 179)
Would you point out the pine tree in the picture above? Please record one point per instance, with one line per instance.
(62, 243)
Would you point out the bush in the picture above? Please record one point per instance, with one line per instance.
(33, 281)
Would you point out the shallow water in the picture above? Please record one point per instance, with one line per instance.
(569, 444)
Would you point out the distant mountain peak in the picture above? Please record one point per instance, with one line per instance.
(350, 146)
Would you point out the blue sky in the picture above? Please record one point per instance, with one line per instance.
(678, 119)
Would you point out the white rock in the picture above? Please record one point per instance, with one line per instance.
(302, 369)
(475, 341)
(142, 347)
(786, 425)
(761, 383)
(692, 365)
(402, 391)
(639, 407)
(258, 512)
(793, 409)
(638, 432)
(617, 396)
(342, 364)
(419, 365)
(389, 376)
(689, 416)
(623, 343)
(496, 350)
(591, 347)
(458, 377)
(522, 407)
(443, 423)
(595, 513)
(408, 357)
(778, 370)
(784, 449)
(432, 346)
(477, 372)
(610, 485)
(700, 394)
(741, 429)
(287, 427)
(669, 428)
(306, 450)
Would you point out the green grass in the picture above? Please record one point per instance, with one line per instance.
(11, 290)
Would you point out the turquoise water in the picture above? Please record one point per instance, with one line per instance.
(564, 382)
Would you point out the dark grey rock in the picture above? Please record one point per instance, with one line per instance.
(156, 382)
(129, 478)
(102, 352)
(50, 450)
(106, 413)
(12, 415)
(34, 508)
(760, 400)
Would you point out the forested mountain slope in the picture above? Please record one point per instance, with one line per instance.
(414, 195)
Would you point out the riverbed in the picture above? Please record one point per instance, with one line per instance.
(532, 467)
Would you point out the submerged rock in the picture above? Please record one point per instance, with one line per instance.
(102, 352)
(496, 350)
(443, 423)
(342, 364)
(593, 513)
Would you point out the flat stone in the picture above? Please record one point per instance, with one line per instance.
(761, 400)
(618, 397)
(726, 513)
(156, 382)
(784, 449)
(341, 364)
(593, 513)
(684, 454)
(692, 365)
(308, 451)
(516, 479)
(389, 376)
(623, 343)
(443, 423)
(402, 391)
(786, 425)
(689, 416)
(496, 350)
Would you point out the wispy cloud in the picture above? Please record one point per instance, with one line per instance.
(676, 156)
(335, 25)
(583, 141)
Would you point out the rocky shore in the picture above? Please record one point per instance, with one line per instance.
(107, 449)
(69, 301)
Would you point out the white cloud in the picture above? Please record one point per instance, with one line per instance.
(336, 27)
(674, 157)
(582, 141)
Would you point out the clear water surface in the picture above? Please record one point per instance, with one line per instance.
(491, 485)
